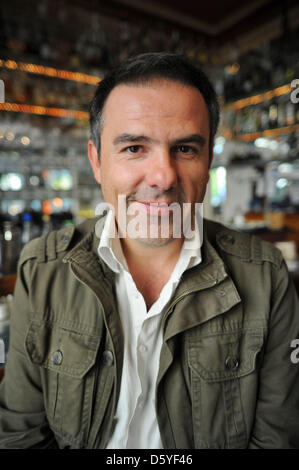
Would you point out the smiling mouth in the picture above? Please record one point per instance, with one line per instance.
(156, 207)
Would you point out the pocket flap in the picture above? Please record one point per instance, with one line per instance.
(225, 356)
(60, 349)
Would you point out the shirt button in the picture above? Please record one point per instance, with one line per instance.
(65, 238)
(107, 358)
(57, 357)
(228, 239)
(231, 363)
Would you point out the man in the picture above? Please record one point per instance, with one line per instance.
(142, 341)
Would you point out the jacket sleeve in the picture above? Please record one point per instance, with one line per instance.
(277, 412)
(23, 421)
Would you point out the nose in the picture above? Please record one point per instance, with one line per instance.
(161, 171)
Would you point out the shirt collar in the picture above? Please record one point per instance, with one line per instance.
(110, 250)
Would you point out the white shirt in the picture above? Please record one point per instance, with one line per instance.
(136, 425)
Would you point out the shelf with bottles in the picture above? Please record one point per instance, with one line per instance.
(267, 134)
(254, 186)
(16, 231)
(270, 114)
(253, 100)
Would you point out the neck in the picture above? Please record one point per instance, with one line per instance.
(141, 254)
(151, 266)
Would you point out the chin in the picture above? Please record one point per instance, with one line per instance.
(155, 242)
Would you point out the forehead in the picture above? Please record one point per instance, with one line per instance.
(164, 101)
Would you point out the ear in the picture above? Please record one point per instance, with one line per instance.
(94, 161)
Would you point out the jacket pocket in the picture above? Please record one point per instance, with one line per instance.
(223, 379)
(66, 358)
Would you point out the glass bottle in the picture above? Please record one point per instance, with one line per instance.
(10, 247)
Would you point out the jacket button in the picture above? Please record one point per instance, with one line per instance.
(107, 358)
(57, 357)
(65, 238)
(231, 363)
(228, 239)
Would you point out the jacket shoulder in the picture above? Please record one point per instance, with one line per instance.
(247, 247)
(47, 247)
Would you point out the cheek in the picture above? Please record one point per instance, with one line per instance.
(195, 186)
(196, 178)
(122, 178)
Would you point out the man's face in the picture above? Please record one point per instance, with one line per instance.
(154, 147)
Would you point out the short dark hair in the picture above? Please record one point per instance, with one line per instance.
(146, 67)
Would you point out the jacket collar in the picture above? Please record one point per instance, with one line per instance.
(210, 273)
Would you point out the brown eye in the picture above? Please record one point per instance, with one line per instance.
(185, 149)
(133, 148)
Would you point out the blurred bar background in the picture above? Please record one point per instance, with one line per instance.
(52, 55)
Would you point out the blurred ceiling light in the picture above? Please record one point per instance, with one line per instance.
(218, 148)
(66, 182)
(220, 140)
(15, 182)
(10, 64)
(252, 100)
(42, 110)
(7, 235)
(273, 145)
(57, 202)
(219, 143)
(51, 72)
(261, 142)
(25, 140)
(232, 69)
(34, 180)
(10, 136)
(268, 133)
(47, 207)
(36, 205)
(15, 209)
(285, 167)
(281, 183)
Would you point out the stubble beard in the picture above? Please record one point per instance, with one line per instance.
(161, 230)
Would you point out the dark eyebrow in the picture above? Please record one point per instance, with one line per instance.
(191, 139)
(127, 138)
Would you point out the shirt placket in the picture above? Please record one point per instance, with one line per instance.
(138, 310)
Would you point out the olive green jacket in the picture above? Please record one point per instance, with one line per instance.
(226, 378)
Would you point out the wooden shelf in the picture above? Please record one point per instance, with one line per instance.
(7, 284)
(268, 133)
(256, 99)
